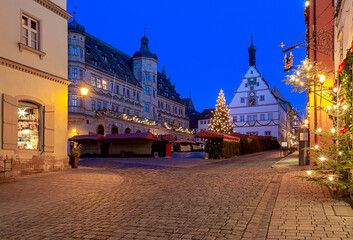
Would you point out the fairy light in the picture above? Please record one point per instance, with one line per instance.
(335, 89)
(334, 107)
(322, 78)
(316, 146)
(322, 159)
(345, 107)
(330, 178)
(333, 130)
(329, 107)
(309, 172)
(340, 153)
(319, 130)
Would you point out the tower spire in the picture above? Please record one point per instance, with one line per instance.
(252, 52)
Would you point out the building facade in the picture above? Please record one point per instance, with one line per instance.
(34, 86)
(125, 94)
(256, 109)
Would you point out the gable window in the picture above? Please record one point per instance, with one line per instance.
(257, 84)
(147, 90)
(112, 70)
(147, 107)
(242, 100)
(28, 126)
(104, 84)
(147, 77)
(30, 29)
(262, 98)
(95, 62)
(105, 58)
(242, 119)
(74, 100)
(235, 119)
(270, 116)
(262, 117)
(249, 118)
(99, 83)
(74, 73)
(246, 85)
(254, 117)
(93, 81)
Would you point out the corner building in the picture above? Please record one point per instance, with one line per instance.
(34, 86)
(126, 94)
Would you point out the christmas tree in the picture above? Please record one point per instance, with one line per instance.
(220, 122)
(332, 156)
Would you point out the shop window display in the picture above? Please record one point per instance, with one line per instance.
(28, 126)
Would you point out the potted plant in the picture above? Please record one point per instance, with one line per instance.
(75, 156)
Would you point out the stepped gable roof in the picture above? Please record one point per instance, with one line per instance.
(109, 59)
(206, 114)
(193, 119)
(166, 89)
(144, 50)
(74, 26)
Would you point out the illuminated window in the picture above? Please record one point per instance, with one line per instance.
(104, 84)
(242, 119)
(74, 51)
(270, 116)
(93, 81)
(147, 107)
(30, 28)
(28, 126)
(254, 117)
(147, 77)
(93, 105)
(99, 83)
(98, 105)
(262, 117)
(147, 90)
(249, 118)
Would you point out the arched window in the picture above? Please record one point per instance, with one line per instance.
(29, 128)
(100, 129)
(115, 130)
(127, 130)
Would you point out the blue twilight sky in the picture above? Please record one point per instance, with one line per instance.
(202, 43)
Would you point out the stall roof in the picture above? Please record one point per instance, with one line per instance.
(149, 136)
(249, 136)
(97, 137)
(168, 137)
(208, 134)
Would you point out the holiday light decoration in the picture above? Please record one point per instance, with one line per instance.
(220, 122)
(333, 159)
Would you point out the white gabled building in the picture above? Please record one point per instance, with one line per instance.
(256, 109)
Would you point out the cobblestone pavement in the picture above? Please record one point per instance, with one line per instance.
(229, 199)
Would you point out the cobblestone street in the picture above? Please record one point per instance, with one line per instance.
(171, 199)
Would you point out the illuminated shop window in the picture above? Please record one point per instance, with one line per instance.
(104, 84)
(28, 126)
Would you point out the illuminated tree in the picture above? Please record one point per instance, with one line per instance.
(333, 155)
(220, 122)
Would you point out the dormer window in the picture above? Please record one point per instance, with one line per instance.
(114, 54)
(120, 65)
(95, 62)
(88, 49)
(111, 69)
(99, 48)
(105, 58)
(127, 76)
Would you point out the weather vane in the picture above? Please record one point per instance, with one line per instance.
(144, 30)
(75, 12)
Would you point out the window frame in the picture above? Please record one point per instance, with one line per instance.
(29, 28)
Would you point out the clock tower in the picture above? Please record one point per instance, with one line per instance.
(257, 109)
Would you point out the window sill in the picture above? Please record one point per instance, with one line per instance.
(22, 46)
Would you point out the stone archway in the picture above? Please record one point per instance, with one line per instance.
(115, 130)
(100, 129)
(127, 130)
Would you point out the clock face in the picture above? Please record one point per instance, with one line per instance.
(252, 81)
(252, 101)
(252, 94)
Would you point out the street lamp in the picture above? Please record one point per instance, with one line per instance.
(84, 91)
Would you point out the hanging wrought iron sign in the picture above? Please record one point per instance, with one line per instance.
(288, 61)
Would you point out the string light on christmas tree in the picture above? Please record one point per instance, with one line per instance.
(319, 129)
(322, 159)
(309, 172)
(330, 178)
(220, 122)
(340, 153)
(333, 130)
(316, 146)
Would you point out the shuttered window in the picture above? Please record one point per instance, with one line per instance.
(9, 122)
(49, 123)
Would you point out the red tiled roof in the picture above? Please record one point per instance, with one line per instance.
(149, 136)
(97, 137)
(208, 134)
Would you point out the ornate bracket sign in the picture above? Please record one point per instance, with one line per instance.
(288, 61)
